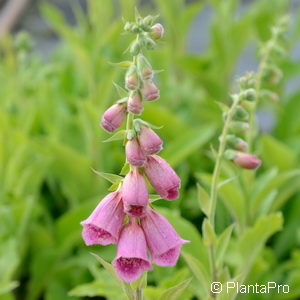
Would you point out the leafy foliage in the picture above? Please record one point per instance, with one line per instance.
(50, 142)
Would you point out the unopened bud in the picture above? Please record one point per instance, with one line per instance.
(134, 104)
(157, 31)
(148, 21)
(269, 95)
(236, 143)
(272, 74)
(248, 95)
(239, 127)
(113, 117)
(149, 43)
(144, 68)
(149, 91)
(131, 78)
(246, 161)
(150, 142)
(240, 114)
(247, 81)
(134, 154)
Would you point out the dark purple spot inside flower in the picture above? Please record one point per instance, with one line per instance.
(95, 235)
(173, 193)
(136, 211)
(130, 269)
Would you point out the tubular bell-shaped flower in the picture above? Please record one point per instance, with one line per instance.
(113, 117)
(162, 177)
(163, 241)
(131, 260)
(135, 194)
(134, 153)
(103, 225)
(149, 141)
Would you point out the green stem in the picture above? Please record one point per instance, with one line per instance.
(218, 165)
(259, 78)
(138, 294)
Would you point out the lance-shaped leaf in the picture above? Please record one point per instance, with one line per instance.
(174, 292)
(119, 135)
(203, 199)
(113, 178)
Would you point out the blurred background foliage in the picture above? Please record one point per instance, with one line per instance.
(50, 141)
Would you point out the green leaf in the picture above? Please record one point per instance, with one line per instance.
(252, 241)
(203, 199)
(276, 153)
(187, 143)
(8, 287)
(121, 92)
(199, 271)
(209, 236)
(174, 292)
(154, 197)
(125, 169)
(222, 245)
(113, 178)
(122, 64)
(119, 135)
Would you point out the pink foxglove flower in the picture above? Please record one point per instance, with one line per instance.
(149, 91)
(149, 141)
(163, 241)
(246, 161)
(135, 194)
(131, 260)
(134, 104)
(157, 31)
(103, 225)
(113, 117)
(162, 177)
(134, 153)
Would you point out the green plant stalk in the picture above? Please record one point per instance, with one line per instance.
(218, 164)
(214, 186)
(138, 294)
(259, 78)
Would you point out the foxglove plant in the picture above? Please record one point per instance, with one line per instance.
(237, 140)
(125, 216)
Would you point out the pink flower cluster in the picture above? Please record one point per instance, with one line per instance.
(124, 217)
(145, 229)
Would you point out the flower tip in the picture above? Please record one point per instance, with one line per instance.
(247, 161)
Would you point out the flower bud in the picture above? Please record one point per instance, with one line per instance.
(148, 20)
(144, 68)
(246, 161)
(248, 95)
(239, 127)
(240, 114)
(149, 43)
(162, 177)
(149, 91)
(131, 78)
(134, 104)
(236, 142)
(247, 81)
(272, 74)
(135, 194)
(149, 141)
(134, 153)
(113, 117)
(157, 31)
